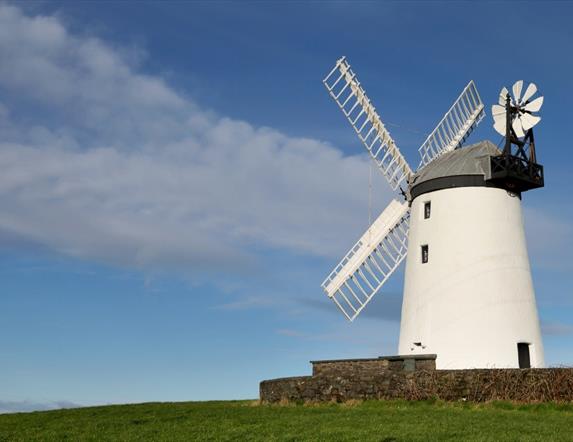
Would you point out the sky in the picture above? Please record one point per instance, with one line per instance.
(175, 183)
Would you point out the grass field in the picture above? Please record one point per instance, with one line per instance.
(246, 420)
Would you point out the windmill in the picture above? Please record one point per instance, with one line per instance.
(457, 221)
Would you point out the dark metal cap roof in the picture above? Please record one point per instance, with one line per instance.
(466, 166)
(470, 160)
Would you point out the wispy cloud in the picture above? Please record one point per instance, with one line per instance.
(549, 238)
(115, 165)
(556, 329)
(377, 338)
(386, 306)
(291, 333)
(26, 406)
(248, 303)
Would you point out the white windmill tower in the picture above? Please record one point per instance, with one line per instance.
(468, 293)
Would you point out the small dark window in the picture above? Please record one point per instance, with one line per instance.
(427, 209)
(523, 355)
(424, 254)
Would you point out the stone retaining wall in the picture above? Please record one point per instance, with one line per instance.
(399, 378)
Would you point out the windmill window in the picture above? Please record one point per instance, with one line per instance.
(427, 209)
(425, 253)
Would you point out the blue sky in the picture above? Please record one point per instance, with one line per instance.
(176, 183)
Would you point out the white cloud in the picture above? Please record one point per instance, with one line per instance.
(102, 161)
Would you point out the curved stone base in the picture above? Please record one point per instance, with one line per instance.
(396, 378)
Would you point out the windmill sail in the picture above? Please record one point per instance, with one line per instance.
(456, 125)
(372, 260)
(345, 89)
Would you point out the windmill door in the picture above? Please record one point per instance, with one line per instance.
(523, 355)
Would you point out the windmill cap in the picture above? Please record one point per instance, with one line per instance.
(464, 167)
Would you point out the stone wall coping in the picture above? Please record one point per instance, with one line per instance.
(423, 357)
(344, 360)
(291, 378)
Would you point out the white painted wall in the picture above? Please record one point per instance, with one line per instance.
(474, 300)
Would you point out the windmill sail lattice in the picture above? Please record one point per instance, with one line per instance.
(456, 125)
(367, 266)
(379, 252)
(345, 89)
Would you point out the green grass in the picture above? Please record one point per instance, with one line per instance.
(246, 420)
